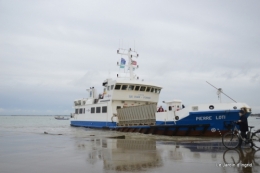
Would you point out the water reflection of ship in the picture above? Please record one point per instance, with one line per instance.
(193, 150)
(125, 154)
(204, 146)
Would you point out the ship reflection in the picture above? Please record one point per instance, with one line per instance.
(125, 154)
(199, 151)
(151, 155)
(245, 160)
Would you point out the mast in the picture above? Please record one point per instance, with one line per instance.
(219, 91)
(130, 54)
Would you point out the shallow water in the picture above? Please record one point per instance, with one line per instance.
(25, 148)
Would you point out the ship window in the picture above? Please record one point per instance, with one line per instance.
(97, 109)
(142, 88)
(117, 87)
(118, 107)
(131, 87)
(170, 108)
(124, 87)
(157, 91)
(152, 90)
(137, 88)
(104, 109)
(195, 108)
(83, 110)
(148, 89)
(80, 111)
(108, 87)
(112, 87)
(76, 111)
(93, 110)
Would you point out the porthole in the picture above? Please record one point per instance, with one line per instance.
(235, 107)
(211, 107)
(177, 118)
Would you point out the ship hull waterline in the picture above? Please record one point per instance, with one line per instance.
(186, 127)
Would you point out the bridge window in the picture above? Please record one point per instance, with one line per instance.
(131, 87)
(104, 109)
(108, 88)
(124, 87)
(76, 111)
(152, 90)
(137, 88)
(148, 89)
(93, 110)
(142, 88)
(112, 87)
(97, 109)
(117, 87)
(80, 111)
(157, 91)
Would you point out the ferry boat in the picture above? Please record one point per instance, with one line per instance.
(129, 104)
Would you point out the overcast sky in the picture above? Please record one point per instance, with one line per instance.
(51, 51)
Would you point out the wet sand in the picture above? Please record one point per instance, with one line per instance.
(34, 152)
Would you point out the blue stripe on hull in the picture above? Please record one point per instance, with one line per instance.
(216, 119)
(92, 124)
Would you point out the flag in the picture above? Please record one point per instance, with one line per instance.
(122, 64)
(134, 63)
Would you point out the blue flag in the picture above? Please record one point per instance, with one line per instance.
(122, 64)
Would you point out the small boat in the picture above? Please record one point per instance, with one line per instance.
(61, 118)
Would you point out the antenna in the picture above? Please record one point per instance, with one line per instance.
(130, 54)
(134, 45)
(219, 92)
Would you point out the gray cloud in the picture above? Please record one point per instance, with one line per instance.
(51, 51)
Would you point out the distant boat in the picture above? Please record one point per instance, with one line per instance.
(61, 118)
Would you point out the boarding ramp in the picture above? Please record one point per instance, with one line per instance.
(137, 115)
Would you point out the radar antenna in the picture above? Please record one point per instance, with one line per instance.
(219, 91)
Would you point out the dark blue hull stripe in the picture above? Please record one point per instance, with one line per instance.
(217, 120)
